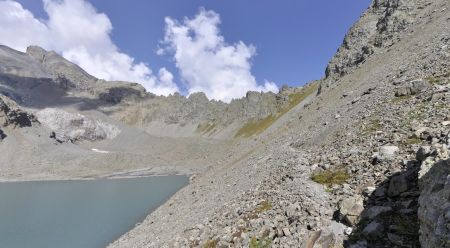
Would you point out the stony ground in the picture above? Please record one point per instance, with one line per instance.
(345, 164)
(341, 171)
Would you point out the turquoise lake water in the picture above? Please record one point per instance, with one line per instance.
(78, 214)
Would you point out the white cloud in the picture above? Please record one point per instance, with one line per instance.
(206, 62)
(82, 35)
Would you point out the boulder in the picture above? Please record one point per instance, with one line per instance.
(350, 209)
(2, 135)
(412, 88)
(397, 185)
(374, 229)
(374, 211)
(434, 206)
(423, 153)
(387, 153)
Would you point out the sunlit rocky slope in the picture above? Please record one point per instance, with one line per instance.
(359, 158)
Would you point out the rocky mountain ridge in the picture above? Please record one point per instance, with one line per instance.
(361, 161)
(348, 169)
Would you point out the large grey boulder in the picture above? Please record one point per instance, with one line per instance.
(397, 185)
(387, 153)
(434, 206)
(351, 208)
(412, 88)
(374, 229)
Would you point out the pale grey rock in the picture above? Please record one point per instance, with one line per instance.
(388, 153)
(75, 127)
(351, 208)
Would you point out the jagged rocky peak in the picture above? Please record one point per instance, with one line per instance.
(20, 64)
(379, 27)
(198, 97)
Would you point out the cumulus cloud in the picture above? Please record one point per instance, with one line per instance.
(206, 62)
(82, 35)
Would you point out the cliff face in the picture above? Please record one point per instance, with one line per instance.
(378, 28)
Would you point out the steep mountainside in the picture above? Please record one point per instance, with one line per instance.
(349, 169)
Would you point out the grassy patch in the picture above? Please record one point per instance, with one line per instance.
(400, 99)
(263, 243)
(254, 127)
(439, 79)
(206, 127)
(331, 177)
(418, 114)
(212, 243)
(264, 206)
(413, 140)
(298, 97)
(372, 126)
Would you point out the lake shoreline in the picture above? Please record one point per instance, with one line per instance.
(129, 174)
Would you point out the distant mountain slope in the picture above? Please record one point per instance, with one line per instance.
(363, 164)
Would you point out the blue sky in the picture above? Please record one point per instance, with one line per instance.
(294, 39)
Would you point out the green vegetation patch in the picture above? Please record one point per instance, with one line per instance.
(263, 243)
(254, 127)
(298, 97)
(413, 140)
(206, 127)
(212, 243)
(372, 126)
(264, 206)
(439, 79)
(401, 99)
(331, 177)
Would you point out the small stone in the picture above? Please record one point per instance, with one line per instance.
(374, 211)
(395, 239)
(388, 153)
(369, 190)
(374, 229)
(423, 153)
(348, 231)
(286, 232)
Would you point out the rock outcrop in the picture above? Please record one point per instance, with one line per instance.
(378, 28)
(71, 127)
(434, 206)
(12, 116)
